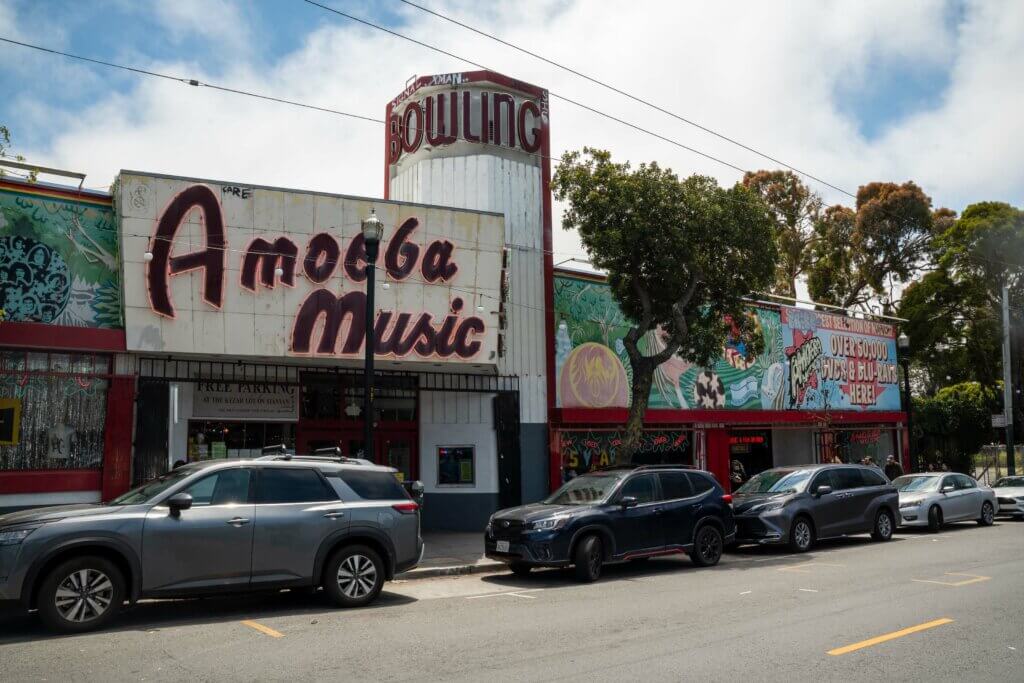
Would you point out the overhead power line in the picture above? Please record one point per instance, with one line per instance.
(553, 94)
(628, 95)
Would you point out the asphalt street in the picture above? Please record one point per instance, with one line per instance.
(921, 607)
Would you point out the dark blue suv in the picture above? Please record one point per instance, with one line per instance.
(613, 515)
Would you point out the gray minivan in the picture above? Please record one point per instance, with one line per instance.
(213, 527)
(799, 505)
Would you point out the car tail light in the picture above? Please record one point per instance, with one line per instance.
(727, 499)
(406, 508)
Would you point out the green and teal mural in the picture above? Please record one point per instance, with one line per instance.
(810, 360)
(58, 258)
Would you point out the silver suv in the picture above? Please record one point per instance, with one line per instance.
(211, 527)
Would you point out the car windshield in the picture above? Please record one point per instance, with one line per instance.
(152, 488)
(911, 483)
(1007, 482)
(585, 489)
(777, 481)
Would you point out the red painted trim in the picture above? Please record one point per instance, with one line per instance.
(555, 457)
(568, 416)
(49, 481)
(117, 432)
(43, 336)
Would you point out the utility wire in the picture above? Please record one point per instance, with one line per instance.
(553, 94)
(635, 98)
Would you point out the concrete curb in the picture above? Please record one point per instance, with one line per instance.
(488, 567)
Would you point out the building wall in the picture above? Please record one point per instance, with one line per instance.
(792, 446)
(449, 419)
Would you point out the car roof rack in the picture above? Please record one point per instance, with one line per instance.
(640, 466)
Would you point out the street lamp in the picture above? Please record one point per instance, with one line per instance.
(903, 342)
(373, 232)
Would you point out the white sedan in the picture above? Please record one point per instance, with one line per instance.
(1010, 494)
(932, 499)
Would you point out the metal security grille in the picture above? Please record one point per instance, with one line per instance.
(188, 370)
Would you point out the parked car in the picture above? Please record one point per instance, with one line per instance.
(800, 505)
(613, 515)
(932, 499)
(211, 527)
(1010, 496)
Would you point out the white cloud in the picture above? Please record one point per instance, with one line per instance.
(221, 21)
(765, 73)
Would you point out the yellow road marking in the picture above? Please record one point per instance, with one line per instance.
(802, 568)
(974, 578)
(889, 636)
(266, 630)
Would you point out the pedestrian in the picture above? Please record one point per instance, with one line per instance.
(892, 468)
(177, 464)
(737, 474)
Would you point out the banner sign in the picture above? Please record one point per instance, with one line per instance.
(220, 269)
(809, 360)
(253, 402)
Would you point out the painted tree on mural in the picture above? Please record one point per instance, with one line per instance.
(680, 257)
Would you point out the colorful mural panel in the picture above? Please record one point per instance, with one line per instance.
(810, 360)
(58, 259)
(583, 451)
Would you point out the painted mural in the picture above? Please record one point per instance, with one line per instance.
(810, 360)
(583, 451)
(58, 259)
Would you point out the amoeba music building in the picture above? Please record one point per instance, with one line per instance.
(244, 306)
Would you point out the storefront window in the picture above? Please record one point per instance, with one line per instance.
(456, 465)
(61, 408)
(340, 397)
(869, 446)
(213, 439)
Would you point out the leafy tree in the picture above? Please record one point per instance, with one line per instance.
(954, 424)
(680, 257)
(953, 328)
(888, 239)
(795, 210)
(5, 146)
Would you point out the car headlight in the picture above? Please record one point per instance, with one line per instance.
(910, 504)
(768, 507)
(14, 536)
(547, 524)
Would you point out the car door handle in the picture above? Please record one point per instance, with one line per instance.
(238, 521)
(659, 511)
(334, 514)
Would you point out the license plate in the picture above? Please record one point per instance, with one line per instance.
(501, 546)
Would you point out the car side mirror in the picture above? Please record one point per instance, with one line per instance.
(948, 488)
(179, 502)
(627, 502)
(823, 490)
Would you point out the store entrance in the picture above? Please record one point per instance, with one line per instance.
(750, 452)
(331, 415)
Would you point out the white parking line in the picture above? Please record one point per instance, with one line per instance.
(807, 590)
(516, 594)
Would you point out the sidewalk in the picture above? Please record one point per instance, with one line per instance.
(450, 553)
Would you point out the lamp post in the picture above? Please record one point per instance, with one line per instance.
(903, 342)
(373, 231)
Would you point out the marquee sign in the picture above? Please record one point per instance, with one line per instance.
(213, 268)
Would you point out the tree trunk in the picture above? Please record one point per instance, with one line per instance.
(643, 378)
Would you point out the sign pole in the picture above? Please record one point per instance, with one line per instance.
(1008, 381)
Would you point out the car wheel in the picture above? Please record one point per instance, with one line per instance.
(520, 569)
(588, 558)
(882, 531)
(707, 547)
(934, 518)
(801, 536)
(81, 594)
(988, 514)
(354, 576)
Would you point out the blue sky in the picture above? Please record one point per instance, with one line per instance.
(852, 92)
